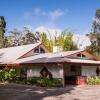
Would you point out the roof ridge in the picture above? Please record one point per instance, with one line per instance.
(21, 45)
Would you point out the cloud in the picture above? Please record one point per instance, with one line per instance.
(39, 12)
(56, 14)
(40, 17)
(51, 14)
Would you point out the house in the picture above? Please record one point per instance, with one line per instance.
(35, 60)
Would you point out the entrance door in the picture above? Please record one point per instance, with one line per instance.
(71, 72)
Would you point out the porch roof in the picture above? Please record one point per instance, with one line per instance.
(61, 60)
(48, 58)
(53, 61)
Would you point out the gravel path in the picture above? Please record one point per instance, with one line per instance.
(22, 92)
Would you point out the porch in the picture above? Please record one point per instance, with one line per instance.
(70, 73)
(73, 74)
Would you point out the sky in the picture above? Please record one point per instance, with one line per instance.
(76, 15)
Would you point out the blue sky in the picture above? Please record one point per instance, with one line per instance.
(77, 15)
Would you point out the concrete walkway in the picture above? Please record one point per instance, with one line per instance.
(22, 92)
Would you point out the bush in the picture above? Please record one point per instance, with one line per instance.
(93, 80)
(33, 80)
(45, 82)
(2, 76)
(40, 81)
(7, 75)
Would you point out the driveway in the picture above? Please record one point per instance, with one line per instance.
(22, 92)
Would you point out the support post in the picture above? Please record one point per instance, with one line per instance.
(63, 81)
(61, 65)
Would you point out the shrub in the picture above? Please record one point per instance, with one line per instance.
(2, 76)
(45, 82)
(7, 74)
(93, 80)
(33, 80)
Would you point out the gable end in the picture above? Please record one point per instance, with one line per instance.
(29, 53)
(82, 54)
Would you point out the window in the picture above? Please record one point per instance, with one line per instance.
(39, 50)
(81, 55)
(42, 50)
(36, 50)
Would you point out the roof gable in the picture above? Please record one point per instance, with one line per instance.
(84, 52)
(30, 53)
(13, 53)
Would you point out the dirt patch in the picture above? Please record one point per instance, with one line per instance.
(22, 92)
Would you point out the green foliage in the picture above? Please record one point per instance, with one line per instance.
(15, 37)
(47, 42)
(21, 37)
(66, 42)
(2, 30)
(20, 80)
(95, 35)
(60, 40)
(10, 75)
(45, 82)
(39, 81)
(7, 74)
(27, 37)
(2, 76)
(6, 42)
(93, 80)
(97, 13)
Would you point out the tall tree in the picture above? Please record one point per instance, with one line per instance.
(29, 37)
(21, 37)
(95, 35)
(47, 42)
(15, 37)
(6, 42)
(66, 41)
(2, 30)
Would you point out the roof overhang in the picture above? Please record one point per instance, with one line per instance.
(10, 65)
(59, 61)
(46, 63)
